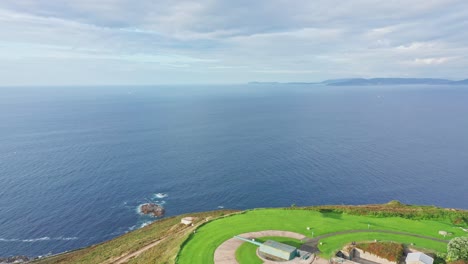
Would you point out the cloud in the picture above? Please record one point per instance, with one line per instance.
(231, 41)
(430, 61)
(414, 46)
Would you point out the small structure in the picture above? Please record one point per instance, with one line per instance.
(443, 233)
(418, 258)
(276, 250)
(187, 220)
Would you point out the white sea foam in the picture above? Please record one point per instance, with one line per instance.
(134, 227)
(220, 206)
(139, 208)
(68, 238)
(160, 195)
(145, 224)
(31, 240)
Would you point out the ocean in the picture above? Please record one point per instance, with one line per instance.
(76, 162)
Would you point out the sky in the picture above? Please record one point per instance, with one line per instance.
(107, 42)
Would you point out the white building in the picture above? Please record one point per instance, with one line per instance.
(418, 258)
(187, 220)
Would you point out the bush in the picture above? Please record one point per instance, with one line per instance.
(387, 250)
(398, 209)
(457, 249)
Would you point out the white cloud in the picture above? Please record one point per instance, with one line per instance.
(415, 46)
(430, 61)
(234, 40)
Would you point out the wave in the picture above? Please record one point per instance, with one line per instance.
(160, 195)
(220, 206)
(133, 227)
(31, 240)
(138, 209)
(145, 224)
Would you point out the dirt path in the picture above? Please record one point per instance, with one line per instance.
(226, 252)
(125, 258)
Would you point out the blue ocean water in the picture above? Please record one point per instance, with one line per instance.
(76, 162)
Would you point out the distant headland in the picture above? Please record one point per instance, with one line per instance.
(374, 82)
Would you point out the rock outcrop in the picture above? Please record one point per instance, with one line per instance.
(152, 209)
(15, 259)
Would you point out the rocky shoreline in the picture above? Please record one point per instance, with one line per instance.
(15, 259)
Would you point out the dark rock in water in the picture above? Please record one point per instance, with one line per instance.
(15, 259)
(152, 208)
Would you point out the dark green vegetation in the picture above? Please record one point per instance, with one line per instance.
(387, 250)
(397, 209)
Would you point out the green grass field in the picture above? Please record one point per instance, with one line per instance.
(178, 244)
(200, 247)
(246, 253)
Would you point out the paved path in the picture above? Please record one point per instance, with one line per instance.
(311, 243)
(226, 252)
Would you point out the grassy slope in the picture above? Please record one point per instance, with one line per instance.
(322, 219)
(247, 253)
(210, 236)
(133, 241)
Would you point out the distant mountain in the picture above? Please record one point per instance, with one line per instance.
(462, 82)
(274, 83)
(374, 82)
(389, 81)
(263, 83)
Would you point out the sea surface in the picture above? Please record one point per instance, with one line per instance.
(76, 162)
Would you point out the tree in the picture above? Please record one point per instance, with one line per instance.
(457, 249)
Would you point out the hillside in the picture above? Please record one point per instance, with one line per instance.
(167, 232)
(168, 241)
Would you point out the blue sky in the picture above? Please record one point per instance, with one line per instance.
(88, 42)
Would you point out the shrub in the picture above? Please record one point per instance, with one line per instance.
(457, 249)
(397, 209)
(387, 250)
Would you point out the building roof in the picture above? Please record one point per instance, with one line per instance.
(419, 256)
(279, 246)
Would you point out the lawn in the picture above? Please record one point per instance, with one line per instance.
(331, 244)
(247, 253)
(200, 247)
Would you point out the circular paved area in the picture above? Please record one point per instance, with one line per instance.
(226, 252)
